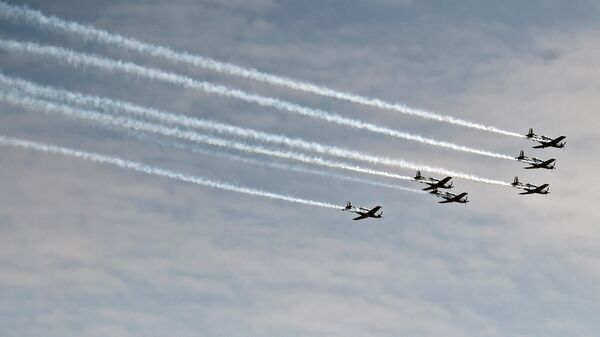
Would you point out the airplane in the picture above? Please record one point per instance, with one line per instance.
(536, 163)
(432, 182)
(364, 212)
(451, 197)
(546, 141)
(530, 188)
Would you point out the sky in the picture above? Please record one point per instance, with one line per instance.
(88, 249)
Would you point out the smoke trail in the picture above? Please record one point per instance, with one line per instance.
(90, 33)
(81, 59)
(270, 164)
(6, 141)
(187, 135)
(228, 129)
(115, 106)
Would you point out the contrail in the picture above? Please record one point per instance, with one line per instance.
(81, 59)
(115, 106)
(181, 134)
(136, 166)
(271, 164)
(101, 36)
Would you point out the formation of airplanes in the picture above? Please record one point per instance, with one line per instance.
(434, 185)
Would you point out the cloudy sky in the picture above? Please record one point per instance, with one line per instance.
(94, 250)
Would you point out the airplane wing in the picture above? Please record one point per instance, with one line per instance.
(539, 165)
(373, 211)
(454, 199)
(444, 181)
(536, 190)
(460, 196)
(439, 184)
(548, 161)
(369, 214)
(552, 142)
(555, 141)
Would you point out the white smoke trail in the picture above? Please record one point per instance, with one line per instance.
(181, 134)
(132, 165)
(271, 164)
(115, 106)
(81, 59)
(118, 106)
(91, 33)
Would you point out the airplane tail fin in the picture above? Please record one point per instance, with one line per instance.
(516, 181)
(348, 206)
(418, 176)
(521, 155)
(530, 134)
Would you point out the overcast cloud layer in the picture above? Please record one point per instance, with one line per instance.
(93, 250)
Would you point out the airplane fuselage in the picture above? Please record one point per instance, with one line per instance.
(434, 183)
(534, 192)
(364, 212)
(546, 141)
(450, 197)
(537, 163)
(532, 189)
(361, 212)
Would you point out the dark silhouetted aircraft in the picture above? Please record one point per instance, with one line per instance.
(432, 182)
(536, 163)
(364, 212)
(451, 197)
(530, 188)
(546, 141)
